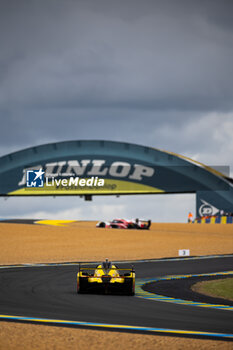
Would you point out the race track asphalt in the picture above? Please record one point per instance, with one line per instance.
(50, 292)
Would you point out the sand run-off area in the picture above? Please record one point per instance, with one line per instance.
(81, 241)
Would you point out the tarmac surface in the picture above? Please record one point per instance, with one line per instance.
(50, 292)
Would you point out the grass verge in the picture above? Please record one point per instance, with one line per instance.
(222, 288)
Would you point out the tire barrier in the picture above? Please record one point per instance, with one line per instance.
(214, 220)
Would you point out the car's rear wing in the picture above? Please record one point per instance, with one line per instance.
(84, 268)
(146, 221)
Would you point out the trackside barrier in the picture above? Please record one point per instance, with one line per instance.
(214, 220)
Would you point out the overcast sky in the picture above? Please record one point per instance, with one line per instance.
(156, 73)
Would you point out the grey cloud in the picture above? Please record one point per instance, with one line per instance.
(32, 127)
(131, 55)
(159, 208)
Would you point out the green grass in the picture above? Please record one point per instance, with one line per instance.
(219, 288)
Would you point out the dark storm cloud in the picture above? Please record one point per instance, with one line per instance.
(150, 54)
(95, 69)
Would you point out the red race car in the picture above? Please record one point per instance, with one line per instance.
(138, 224)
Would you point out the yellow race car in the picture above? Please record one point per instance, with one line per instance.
(106, 278)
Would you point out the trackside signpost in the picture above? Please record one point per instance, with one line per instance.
(184, 252)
